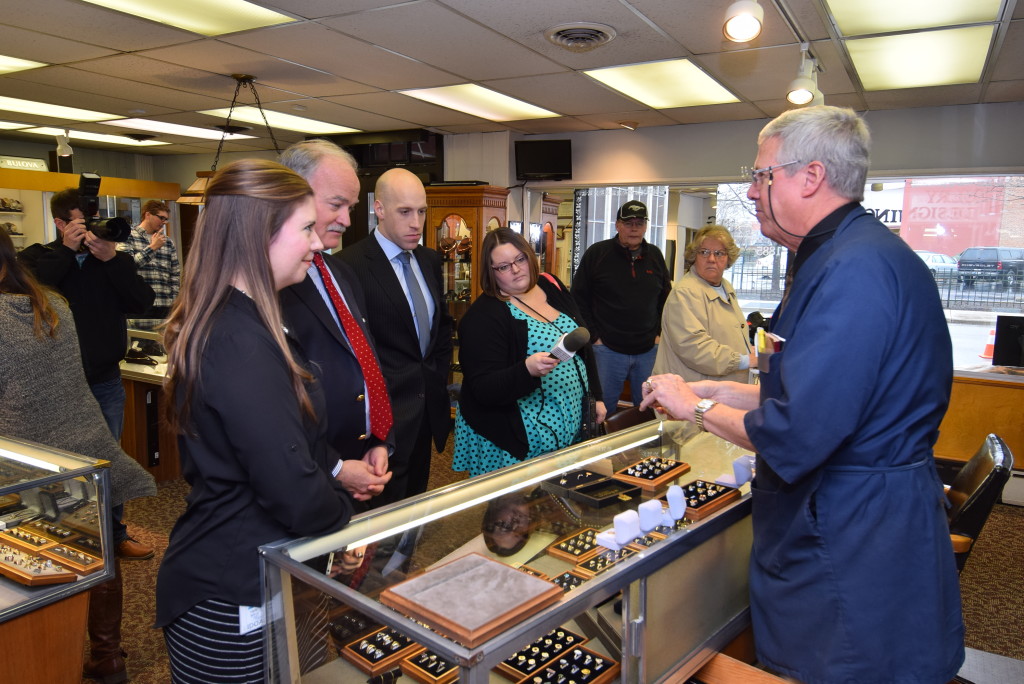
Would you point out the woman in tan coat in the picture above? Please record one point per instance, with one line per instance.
(703, 331)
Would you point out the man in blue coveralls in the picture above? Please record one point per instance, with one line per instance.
(852, 576)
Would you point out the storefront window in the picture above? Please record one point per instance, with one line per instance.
(969, 230)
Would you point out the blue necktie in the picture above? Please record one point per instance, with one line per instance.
(419, 304)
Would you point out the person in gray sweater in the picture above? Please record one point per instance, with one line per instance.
(46, 399)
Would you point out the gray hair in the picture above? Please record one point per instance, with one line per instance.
(304, 157)
(715, 232)
(834, 136)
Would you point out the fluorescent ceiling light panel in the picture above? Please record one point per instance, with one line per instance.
(661, 85)
(12, 104)
(8, 65)
(207, 17)
(13, 125)
(175, 129)
(279, 120)
(95, 137)
(916, 60)
(863, 17)
(479, 101)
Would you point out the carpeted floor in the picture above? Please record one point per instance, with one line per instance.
(992, 584)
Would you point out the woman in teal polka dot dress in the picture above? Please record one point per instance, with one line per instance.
(517, 401)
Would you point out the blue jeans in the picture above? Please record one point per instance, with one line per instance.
(614, 369)
(110, 395)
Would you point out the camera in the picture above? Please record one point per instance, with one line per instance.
(114, 229)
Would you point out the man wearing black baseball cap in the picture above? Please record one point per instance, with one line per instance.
(621, 286)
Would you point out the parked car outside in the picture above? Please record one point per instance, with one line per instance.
(942, 266)
(997, 264)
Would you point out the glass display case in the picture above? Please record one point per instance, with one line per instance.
(682, 583)
(54, 526)
(145, 436)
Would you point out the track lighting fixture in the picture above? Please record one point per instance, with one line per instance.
(743, 21)
(63, 148)
(802, 88)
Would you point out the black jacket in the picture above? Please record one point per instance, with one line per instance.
(100, 294)
(259, 468)
(492, 348)
(622, 299)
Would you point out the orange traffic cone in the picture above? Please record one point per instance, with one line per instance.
(990, 348)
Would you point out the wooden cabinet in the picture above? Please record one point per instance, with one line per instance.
(457, 218)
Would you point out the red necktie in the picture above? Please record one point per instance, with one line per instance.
(376, 391)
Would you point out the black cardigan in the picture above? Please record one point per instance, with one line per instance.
(492, 351)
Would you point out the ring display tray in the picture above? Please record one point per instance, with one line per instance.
(81, 562)
(645, 541)
(26, 539)
(51, 530)
(704, 498)
(30, 568)
(468, 599)
(604, 492)
(652, 473)
(539, 654)
(571, 480)
(600, 562)
(531, 571)
(576, 547)
(379, 651)
(428, 667)
(568, 580)
(580, 665)
(349, 625)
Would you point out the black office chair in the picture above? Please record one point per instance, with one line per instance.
(974, 491)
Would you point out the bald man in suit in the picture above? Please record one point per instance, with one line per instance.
(413, 338)
(312, 319)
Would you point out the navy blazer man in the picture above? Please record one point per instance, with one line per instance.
(313, 322)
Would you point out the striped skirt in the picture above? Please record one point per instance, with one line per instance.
(204, 647)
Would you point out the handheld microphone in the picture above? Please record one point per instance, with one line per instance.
(570, 343)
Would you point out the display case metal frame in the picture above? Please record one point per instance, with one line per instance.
(685, 553)
(54, 466)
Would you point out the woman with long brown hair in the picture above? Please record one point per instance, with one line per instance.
(245, 410)
(46, 399)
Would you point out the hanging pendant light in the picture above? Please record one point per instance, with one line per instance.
(196, 192)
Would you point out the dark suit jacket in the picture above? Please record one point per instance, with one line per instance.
(331, 358)
(417, 383)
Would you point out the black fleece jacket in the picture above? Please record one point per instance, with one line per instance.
(100, 293)
(620, 298)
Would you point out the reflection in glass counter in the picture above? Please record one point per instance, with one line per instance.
(522, 516)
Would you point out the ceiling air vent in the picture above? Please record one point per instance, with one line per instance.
(580, 37)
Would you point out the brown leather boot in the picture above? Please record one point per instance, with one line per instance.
(106, 603)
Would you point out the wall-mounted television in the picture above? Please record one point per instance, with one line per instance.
(543, 160)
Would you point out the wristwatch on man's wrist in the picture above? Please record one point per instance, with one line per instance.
(703, 406)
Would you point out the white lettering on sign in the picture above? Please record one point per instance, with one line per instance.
(23, 163)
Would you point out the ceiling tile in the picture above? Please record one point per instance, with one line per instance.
(99, 26)
(268, 70)
(567, 93)
(408, 108)
(321, 48)
(452, 43)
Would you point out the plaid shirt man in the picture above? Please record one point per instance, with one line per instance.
(160, 268)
